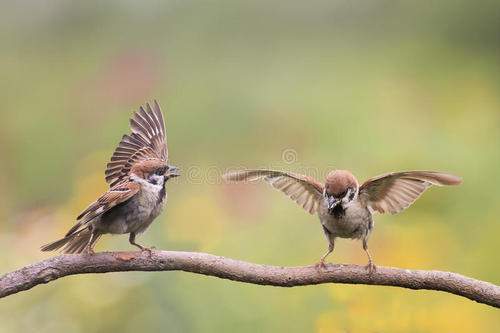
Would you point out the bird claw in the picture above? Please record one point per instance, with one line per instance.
(321, 265)
(371, 268)
(149, 250)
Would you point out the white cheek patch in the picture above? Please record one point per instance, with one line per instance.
(145, 184)
(349, 197)
(137, 179)
(156, 180)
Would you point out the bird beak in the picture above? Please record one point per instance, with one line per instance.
(172, 172)
(332, 202)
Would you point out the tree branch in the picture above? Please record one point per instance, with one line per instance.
(201, 263)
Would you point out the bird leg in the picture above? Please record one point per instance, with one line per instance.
(131, 240)
(371, 266)
(321, 263)
(331, 245)
(90, 244)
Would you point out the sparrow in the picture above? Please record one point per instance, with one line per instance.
(137, 175)
(344, 208)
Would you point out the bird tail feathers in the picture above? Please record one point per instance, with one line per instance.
(73, 243)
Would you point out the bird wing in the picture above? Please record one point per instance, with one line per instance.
(115, 196)
(304, 190)
(147, 141)
(394, 192)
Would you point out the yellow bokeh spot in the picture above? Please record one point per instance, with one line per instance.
(196, 218)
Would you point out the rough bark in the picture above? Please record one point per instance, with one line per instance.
(225, 268)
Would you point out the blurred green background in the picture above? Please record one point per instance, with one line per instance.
(371, 86)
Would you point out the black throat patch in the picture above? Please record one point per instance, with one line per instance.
(161, 196)
(337, 212)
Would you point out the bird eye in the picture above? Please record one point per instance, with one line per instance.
(160, 171)
(343, 194)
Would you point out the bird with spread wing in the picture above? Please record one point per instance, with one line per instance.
(137, 175)
(344, 208)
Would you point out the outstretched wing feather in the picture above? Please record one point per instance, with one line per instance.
(304, 190)
(394, 192)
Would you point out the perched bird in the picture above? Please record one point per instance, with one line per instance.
(344, 208)
(137, 175)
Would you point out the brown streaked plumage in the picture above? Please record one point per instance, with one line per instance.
(396, 191)
(344, 208)
(146, 142)
(137, 174)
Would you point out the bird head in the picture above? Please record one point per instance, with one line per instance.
(341, 187)
(155, 172)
